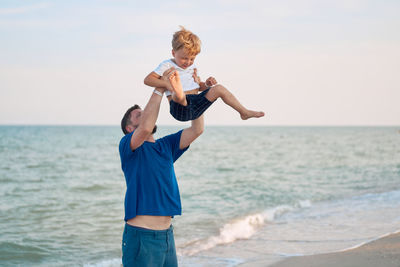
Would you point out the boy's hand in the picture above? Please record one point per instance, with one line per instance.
(211, 81)
(195, 77)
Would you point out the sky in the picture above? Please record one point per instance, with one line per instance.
(302, 62)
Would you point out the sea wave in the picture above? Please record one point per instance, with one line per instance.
(240, 228)
(13, 252)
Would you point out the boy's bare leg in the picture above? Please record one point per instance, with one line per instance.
(229, 99)
(178, 95)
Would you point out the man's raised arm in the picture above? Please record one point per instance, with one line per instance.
(190, 134)
(147, 121)
(149, 115)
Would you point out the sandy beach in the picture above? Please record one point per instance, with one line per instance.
(383, 252)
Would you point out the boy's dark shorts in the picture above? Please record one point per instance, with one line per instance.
(196, 105)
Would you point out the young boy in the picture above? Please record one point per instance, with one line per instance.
(185, 101)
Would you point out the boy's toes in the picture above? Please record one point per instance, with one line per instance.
(259, 114)
(252, 114)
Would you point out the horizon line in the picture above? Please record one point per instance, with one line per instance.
(210, 125)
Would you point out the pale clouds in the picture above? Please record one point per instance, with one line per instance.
(23, 9)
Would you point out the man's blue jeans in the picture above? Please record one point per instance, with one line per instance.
(145, 247)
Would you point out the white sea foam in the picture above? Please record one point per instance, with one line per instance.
(241, 228)
(105, 263)
(323, 227)
(272, 214)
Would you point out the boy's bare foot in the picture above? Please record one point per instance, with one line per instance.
(177, 91)
(252, 114)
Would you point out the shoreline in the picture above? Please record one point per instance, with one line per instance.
(384, 251)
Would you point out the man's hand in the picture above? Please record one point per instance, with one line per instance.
(165, 77)
(211, 81)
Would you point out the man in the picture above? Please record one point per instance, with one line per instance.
(152, 194)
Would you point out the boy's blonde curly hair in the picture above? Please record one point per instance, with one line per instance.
(187, 40)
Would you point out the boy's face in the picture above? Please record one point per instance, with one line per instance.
(182, 58)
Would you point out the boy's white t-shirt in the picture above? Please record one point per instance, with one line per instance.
(186, 75)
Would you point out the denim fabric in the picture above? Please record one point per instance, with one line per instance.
(151, 248)
(196, 105)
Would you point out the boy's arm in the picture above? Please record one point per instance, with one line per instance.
(153, 80)
(209, 82)
(203, 85)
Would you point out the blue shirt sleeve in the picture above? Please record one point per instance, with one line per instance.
(173, 141)
(125, 150)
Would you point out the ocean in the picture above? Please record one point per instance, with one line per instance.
(248, 193)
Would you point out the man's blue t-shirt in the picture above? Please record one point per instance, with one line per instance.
(151, 186)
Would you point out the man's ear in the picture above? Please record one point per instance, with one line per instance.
(173, 53)
(129, 128)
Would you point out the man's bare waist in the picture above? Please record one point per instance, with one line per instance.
(151, 222)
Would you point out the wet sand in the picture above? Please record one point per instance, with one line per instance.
(383, 252)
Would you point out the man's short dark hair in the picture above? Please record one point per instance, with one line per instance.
(126, 119)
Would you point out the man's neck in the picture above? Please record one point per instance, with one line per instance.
(151, 139)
